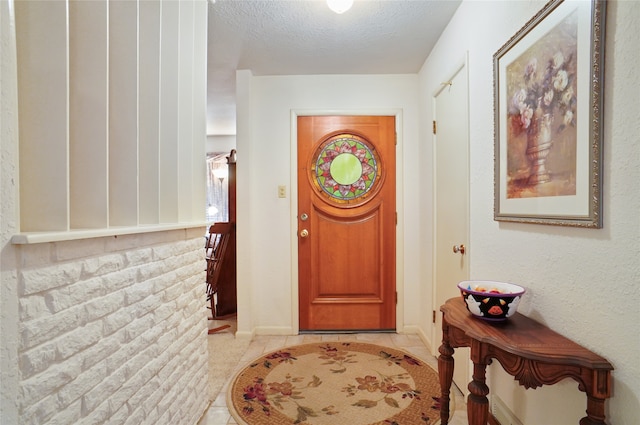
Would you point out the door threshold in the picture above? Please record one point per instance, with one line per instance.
(347, 331)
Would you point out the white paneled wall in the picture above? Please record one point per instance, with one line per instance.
(122, 99)
(168, 119)
(103, 314)
(149, 111)
(88, 136)
(43, 78)
(112, 113)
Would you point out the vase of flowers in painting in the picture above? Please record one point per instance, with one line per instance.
(543, 106)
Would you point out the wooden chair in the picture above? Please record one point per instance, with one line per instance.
(215, 248)
(221, 257)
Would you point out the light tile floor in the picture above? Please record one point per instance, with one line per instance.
(218, 414)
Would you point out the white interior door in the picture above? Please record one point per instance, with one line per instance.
(451, 153)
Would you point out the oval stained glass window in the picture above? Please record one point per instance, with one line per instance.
(345, 168)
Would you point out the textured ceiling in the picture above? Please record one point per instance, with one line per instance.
(302, 37)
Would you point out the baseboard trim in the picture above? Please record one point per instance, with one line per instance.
(492, 420)
(274, 330)
(417, 330)
(245, 335)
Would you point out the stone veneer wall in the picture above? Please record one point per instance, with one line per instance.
(113, 330)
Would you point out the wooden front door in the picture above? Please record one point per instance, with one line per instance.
(346, 222)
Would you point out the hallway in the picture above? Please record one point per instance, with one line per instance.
(218, 414)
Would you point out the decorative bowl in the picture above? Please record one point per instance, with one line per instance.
(491, 300)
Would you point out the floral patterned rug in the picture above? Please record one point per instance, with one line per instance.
(330, 383)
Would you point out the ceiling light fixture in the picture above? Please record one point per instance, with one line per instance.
(339, 6)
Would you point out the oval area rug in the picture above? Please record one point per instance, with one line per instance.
(335, 383)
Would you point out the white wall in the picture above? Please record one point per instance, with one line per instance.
(220, 143)
(267, 243)
(583, 283)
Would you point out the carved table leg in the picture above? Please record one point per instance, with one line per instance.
(445, 373)
(598, 389)
(477, 402)
(595, 412)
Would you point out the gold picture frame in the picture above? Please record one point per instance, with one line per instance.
(548, 85)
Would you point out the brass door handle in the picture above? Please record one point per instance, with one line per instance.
(304, 233)
(459, 249)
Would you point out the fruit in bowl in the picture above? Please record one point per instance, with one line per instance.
(491, 300)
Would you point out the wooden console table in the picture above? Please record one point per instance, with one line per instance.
(532, 353)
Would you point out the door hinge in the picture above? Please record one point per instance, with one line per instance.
(396, 297)
(396, 218)
(434, 316)
(396, 139)
(434, 127)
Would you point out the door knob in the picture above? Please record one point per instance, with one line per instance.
(459, 249)
(304, 233)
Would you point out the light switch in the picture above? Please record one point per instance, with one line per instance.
(282, 191)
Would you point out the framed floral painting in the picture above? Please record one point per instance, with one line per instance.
(548, 84)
